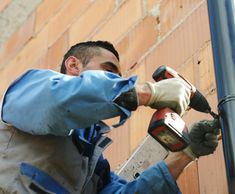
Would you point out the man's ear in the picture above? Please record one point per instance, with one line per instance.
(73, 66)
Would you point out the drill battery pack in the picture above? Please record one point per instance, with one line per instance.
(168, 128)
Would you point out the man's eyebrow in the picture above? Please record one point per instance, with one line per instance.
(113, 66)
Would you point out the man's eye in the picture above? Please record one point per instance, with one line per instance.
(109, 70)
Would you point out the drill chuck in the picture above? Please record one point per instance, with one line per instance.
(199, 103)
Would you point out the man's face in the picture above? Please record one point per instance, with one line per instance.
(106, 61)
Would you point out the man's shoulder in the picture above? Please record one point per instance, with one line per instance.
(39, 72)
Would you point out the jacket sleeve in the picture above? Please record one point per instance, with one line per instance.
(154, 180)
(48, 102)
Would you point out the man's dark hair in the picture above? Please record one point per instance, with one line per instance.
(84, 51)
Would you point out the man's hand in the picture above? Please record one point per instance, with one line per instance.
(172, 93)
(204, 137)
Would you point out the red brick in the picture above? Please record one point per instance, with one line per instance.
(57, 51)
(171, 12)
(213, 100)
(26, 58)
(61, 22)
(10, 48)
(199, 69)
(182, 43)
(52, 57)
(87, 23)
(45, 11)
(188, 180)
(187, 71)
(212, 176)
(119, 150)
(137, 42)
(42, 61)
(120, 23)
(152, 3)
(139, 123)
(206, 77)
(140, 71)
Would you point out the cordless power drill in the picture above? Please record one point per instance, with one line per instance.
(166, 126)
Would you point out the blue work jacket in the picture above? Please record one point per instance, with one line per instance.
(81, 101)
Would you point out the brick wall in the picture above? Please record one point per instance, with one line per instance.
(147, 33)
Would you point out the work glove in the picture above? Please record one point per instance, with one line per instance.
(203, 138)
(172, 93)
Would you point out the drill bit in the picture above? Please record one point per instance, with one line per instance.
(213, 114)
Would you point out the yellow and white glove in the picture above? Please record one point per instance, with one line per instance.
(172, 93)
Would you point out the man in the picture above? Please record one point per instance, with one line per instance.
(52, 136)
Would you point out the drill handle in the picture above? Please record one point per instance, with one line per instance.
(197, 100)
(165, 72)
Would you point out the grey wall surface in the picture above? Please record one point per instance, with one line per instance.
(13, 16)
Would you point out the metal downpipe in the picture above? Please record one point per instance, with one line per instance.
(222, 26)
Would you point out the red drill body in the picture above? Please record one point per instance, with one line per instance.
(166, 126)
